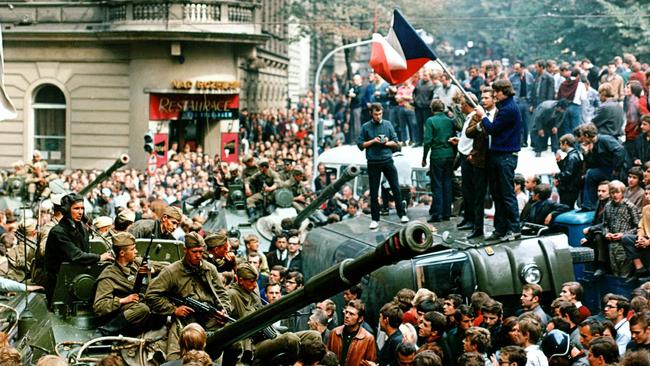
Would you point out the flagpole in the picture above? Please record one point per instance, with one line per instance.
(453, 79)
(317, 95)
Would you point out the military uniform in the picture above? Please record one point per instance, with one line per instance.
(248, 171)
(203, 284)
(243, 303)
(38, 271)
(257, 183)
(115, 282)
(144, 228)
(297, 188)
(20, 262)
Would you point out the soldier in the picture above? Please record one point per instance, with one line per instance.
(68, 242)
(289, 168)
(38, 180)
(103, 226)
(115, 285)
(124, 220)
(259, 187)
(245, 299)
(219, 252)
(20, 256)
(189, 277)
(162, 228)
(301, 195)
(249, 168)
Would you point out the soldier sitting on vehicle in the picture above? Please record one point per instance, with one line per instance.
(259, 187)
(219, 252)
(189, 278)
(20, 255)
(116, 293)
(102, 226)
(161, 228)
(301, 195)
(38, 181)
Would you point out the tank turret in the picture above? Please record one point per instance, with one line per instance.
(328, 192)
(413, 239)
(120, 162)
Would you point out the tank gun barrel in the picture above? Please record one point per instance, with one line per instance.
(120, 162)
(413, 239)
(328, 192)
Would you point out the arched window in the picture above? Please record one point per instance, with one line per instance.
(49, 124)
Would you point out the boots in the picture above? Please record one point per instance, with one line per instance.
(115, 326)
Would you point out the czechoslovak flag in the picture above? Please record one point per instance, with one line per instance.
(401, 54)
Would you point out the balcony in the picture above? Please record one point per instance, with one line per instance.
(214, 20)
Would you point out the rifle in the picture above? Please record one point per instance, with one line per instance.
(139, 278)
(204, 310)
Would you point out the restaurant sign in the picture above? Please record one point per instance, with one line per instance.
(190, 106)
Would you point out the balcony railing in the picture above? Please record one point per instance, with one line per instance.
(228, 16)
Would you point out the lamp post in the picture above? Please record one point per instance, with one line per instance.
(317, 94)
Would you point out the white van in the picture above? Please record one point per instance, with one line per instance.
(408, 164)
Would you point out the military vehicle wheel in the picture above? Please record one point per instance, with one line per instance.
(582, 255)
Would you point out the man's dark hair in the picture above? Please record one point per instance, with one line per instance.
(541, 64)
(622, 302)
(456, 299)
(493, 307)
(470, 359)
(405, 349)
(640, 318)
(515, 354)
(568, 139)
(519, 180)
(588, 130)
(543, 190)
(560, 324)
(311, 350)
(427, 306)
(438, 321)
(359, 305)
(636, 171)
(595, 327)
(437, 106)
(296, 276)
(503, 86)
(393, 313)
(376, 107)
(427, 358)
(465, 310)
(479, 298)
(606, 347)
(356, 290)
(637, 358)
(572, 311)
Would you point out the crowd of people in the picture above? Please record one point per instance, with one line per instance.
(596, 121)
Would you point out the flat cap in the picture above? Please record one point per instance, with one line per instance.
(173, 213)
(246, 271)
(214, 240)
(102, 221)
(193, 240)
(123, 239)
(126, 215)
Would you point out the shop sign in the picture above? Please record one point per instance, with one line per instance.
(189, 106)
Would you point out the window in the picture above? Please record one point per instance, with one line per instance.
(49, 124)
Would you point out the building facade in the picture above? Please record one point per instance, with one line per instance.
(89, 79)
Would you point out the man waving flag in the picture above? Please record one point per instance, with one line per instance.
(7, 109)
(400, 54)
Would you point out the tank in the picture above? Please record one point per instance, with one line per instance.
(233, 214)
(411, 240)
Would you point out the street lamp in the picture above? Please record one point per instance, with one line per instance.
(317, 94)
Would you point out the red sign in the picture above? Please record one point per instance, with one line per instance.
(161, 146)
(230, 147)
(190, 106)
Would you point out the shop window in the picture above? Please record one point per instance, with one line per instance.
(49, 124)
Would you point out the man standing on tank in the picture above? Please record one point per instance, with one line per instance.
(504, 145)
(379, 139)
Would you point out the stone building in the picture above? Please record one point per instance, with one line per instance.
(89, 79)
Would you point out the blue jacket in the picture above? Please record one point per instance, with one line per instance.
(506, 127)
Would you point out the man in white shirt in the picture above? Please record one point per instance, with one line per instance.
(527, 333)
